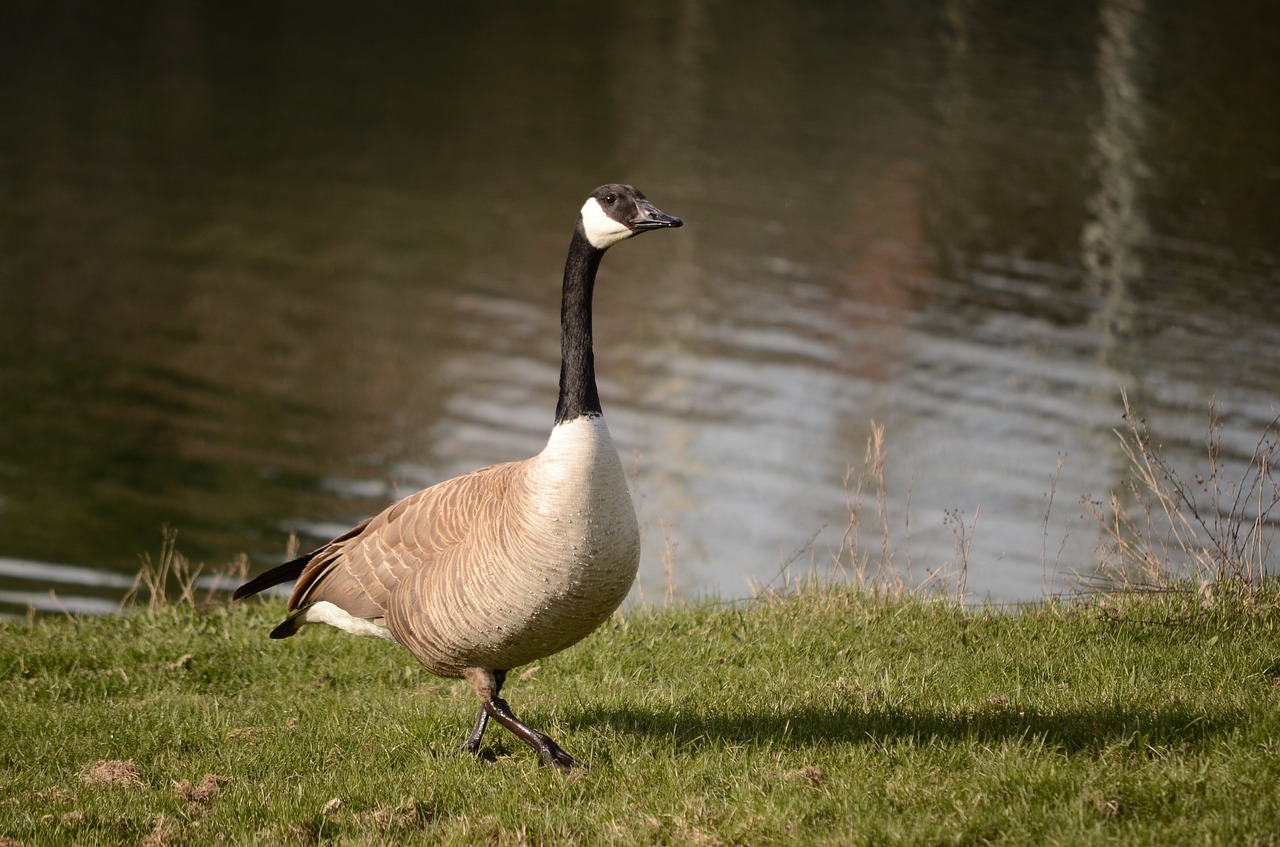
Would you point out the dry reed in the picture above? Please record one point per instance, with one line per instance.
(1165, 532)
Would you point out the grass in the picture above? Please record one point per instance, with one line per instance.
(865, 707)
(829, 716)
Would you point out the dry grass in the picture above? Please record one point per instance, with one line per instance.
(866, 555)
(868, 561)
(1166, 532)
(113, 772)
(172, 578)
(1161, 531)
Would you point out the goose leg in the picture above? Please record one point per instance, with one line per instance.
(549, 752)
(487, 684)
(472, 744)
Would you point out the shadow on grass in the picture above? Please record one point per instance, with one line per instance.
(1085, 730)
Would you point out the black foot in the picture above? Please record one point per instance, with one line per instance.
(550, 754)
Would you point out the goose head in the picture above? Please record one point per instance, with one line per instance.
(616, 212)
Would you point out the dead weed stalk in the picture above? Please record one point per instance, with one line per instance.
(866, 552)
(1163, 532)
(172, 579)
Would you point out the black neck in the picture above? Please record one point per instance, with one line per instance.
(578, 395)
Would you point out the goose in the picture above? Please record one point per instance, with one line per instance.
(508, 564)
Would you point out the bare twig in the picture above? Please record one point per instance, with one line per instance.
(1050, 574)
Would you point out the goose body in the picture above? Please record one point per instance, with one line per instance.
(510, 563)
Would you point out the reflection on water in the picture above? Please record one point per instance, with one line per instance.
(264, 270)
(1111, 243)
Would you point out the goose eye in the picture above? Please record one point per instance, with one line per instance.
(611, 198)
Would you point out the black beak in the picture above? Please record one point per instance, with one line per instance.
(651, 218)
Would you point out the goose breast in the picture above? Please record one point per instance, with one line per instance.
(549, 555)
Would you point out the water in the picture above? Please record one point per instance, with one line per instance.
(262, 270)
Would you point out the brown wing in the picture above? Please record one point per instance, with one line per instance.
(358, 571)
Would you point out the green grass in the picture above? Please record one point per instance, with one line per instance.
(828, 717)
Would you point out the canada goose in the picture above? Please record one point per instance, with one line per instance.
(496, 568)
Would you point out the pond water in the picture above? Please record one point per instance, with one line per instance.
(263, 269)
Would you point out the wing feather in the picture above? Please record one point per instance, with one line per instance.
(359, 570)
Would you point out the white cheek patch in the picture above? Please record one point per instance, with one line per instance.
(602, 231)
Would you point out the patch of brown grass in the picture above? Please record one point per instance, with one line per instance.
(810, 775)
(199, 793)
(164, 831)
(405, 816)
(113, 772)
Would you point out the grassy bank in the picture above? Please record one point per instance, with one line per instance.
(828, 717)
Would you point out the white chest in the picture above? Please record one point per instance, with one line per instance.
(580, 492)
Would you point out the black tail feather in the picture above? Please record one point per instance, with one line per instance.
(289, 626)
(287, 572)
(293, 568)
